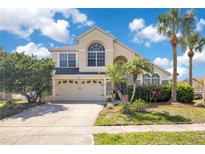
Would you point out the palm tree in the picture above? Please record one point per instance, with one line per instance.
(170, 25)
(190, 39)
(117, 74)
(194, 43)
(137, 66)
(204, 92)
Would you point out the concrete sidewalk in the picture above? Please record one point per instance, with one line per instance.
(78, 134)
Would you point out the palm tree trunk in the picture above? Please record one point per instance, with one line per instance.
(190, 55)
(121, 96)
(204, 92)
(134, 89)
(174, 78)
(119, 93)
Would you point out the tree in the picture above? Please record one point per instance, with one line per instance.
(194, 43)
(190, 39)
(204, 92)
(170, 25)
(137, 66)
(26, 75)
(117, 74)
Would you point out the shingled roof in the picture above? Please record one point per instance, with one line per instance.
(65, 48)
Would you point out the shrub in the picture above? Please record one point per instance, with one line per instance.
(185, 93)
(157, 93)
(137, 106)
(10, 104)
(109, 106)
(149, 93)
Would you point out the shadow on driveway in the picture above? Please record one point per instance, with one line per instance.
(40, 110)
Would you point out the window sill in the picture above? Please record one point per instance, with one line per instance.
(95, 67)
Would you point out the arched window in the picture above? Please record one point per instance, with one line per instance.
(155, 79)
(96, 55)
(146, 79)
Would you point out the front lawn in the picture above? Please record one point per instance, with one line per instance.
(19, 106)
(157, 113)
(152, 138)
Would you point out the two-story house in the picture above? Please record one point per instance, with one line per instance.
(80, 69)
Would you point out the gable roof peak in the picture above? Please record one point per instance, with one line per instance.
(93, 28)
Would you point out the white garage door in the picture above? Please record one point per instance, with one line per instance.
(80, 90)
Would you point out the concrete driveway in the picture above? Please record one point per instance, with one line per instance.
(51, 124)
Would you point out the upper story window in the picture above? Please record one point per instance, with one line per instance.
(67, 60)
(96, 55)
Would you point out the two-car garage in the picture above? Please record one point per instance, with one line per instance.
(79, 89)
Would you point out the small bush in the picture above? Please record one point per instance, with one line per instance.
(185, 93)
(109, 106)
(137, 106)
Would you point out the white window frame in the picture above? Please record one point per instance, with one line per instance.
(76, 59)
(154, 78)
(150, 79)
(96, 58)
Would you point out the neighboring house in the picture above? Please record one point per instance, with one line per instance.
(80, 69)
(197, 84)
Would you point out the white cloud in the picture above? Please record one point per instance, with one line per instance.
(136, 24)
(79, 17)
(33, 49)
(182, 63)
(200, 25)
(23, 22)
(182, 72)
(167, 65)
(198, 59)
(163, 62)
(144, 34)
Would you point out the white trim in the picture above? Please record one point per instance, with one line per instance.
(109, 50)
(80, 75)
(82, 49)
(93, 67)
(96, 58)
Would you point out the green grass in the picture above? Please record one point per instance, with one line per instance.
(19, 106)
(156, 114)
(151, 138)
(2, 102)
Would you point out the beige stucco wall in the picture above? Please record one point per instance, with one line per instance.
(88, 39)
(120, 50)
(55, 58)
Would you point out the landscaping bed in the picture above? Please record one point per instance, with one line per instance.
(151, 138)
(17, 107)
(156, 113)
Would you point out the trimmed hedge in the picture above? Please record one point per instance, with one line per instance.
(156, 93)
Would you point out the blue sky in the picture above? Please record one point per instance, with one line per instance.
(35, 30)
